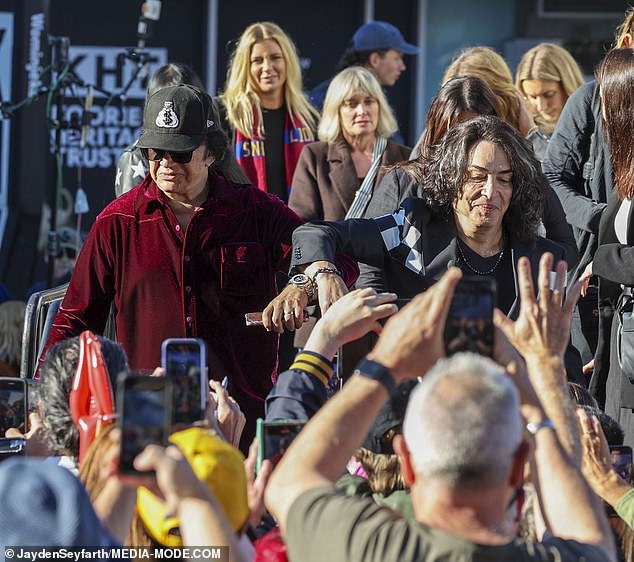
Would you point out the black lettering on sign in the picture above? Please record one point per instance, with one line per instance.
(102, 70)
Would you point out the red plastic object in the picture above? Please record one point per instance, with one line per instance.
(91, 400)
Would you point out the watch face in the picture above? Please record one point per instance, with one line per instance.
(299, 279)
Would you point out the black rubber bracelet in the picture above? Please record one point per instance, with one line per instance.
(375, 371)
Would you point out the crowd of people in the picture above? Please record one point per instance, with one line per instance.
(308, 209)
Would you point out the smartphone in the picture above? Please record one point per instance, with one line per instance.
(469, 325)
(32, 395)
(185, 362)
(622, 463)
(274, 437)
(145, 415)
(13, 404)
(11, 446)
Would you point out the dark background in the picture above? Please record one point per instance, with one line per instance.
(321, 31)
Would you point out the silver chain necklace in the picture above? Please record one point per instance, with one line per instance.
(477, 271)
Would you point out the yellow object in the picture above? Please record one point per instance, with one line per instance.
(215, 462)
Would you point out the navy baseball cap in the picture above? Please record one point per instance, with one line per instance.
(376, 35)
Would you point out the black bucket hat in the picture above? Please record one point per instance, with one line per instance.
(177, 118)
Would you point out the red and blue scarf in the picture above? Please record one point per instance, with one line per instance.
(250, 151)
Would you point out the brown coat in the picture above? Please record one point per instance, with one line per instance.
(325, 180)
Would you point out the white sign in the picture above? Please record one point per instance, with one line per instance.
(118, 116)
(108, 68)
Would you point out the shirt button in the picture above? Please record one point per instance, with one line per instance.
(178, 228)
(188, 289)
(189, 319)
(187, 259)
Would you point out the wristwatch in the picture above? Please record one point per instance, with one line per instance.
(377, 372)
(303, 282)
(533, 428)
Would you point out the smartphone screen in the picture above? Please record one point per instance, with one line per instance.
(145, 416)
(12, 404)
(9, 447)
(274, 438)
(469, 324)
(622, 463)
(184, 361)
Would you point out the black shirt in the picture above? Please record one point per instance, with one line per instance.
(273, 120)
(502, 273)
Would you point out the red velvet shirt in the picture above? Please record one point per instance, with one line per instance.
(170, 282)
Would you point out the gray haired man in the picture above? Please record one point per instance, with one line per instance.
(464, 447)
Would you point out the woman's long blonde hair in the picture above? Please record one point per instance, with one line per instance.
(240, 98)
(487, 65)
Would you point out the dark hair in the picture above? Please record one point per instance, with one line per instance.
(173, 74)
(56, 379)
(458, 95)
(350, 57)
(444, 172)
(612, 430)
(615, 77)
(581, 395)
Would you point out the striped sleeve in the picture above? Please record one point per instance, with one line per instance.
(314, 364)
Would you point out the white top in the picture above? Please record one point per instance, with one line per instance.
(621, 220)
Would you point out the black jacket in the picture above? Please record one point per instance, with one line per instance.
(363, 240)
(398, 185)
(578, 167)
(613, 264)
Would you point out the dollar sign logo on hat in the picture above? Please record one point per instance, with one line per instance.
(167, 116)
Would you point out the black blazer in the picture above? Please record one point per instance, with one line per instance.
(362, 240)
(613, 264)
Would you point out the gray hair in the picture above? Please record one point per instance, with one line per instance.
(463, 422)
(56, 380)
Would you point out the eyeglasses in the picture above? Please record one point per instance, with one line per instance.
(68, 253)
(156, 155)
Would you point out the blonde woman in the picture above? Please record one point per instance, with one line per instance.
(266, 107)
(546, 76)
(11, 326)
(341, 170)
(487, 65)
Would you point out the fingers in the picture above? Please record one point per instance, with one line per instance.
(267, 317)
(262, 479)
(158, 372)
(559, 290)
(35, 421)
(543, 280)
(149, 458)
(442, 295)
(251, 460)
(298, 315)
(572, 297)
(220, 392)
(525, 281)
(584, 421)
(13, 433)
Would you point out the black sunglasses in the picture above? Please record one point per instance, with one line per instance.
(156, 155)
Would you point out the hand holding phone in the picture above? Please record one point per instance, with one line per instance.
(13, 404)
(274, 438)
(469, 325)
(145, 416)
(185, 363)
